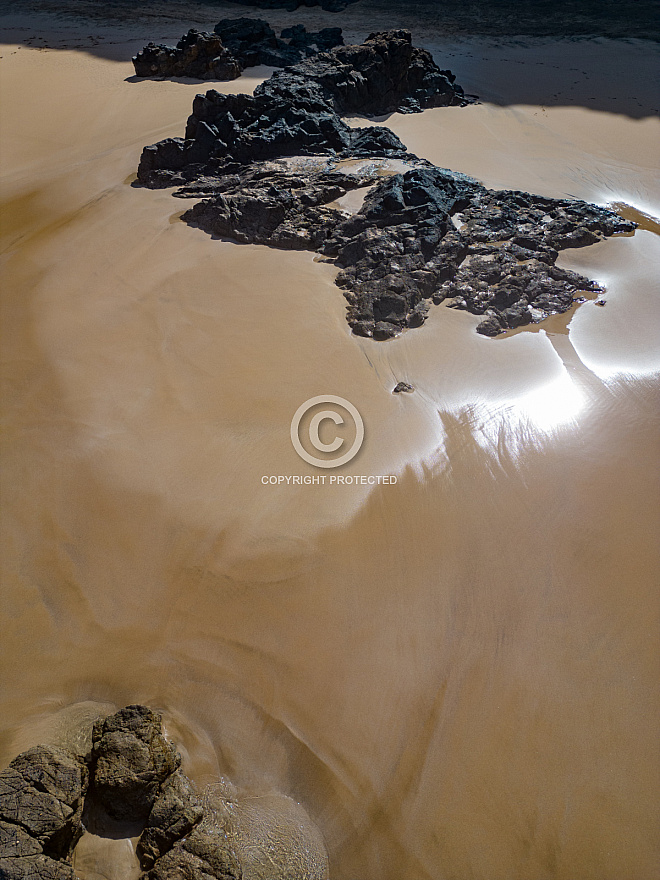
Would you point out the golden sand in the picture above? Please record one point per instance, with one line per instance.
(455, 675)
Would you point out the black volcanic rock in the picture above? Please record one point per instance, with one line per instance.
(384, 74)
(297, 111)
(197, 54)
(402, 251)
(423, 234)
(253, 42)
(244, 129)
(236, 43)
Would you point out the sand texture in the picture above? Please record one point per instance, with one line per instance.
(455, 675)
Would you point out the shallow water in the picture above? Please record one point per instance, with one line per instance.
(454, 674)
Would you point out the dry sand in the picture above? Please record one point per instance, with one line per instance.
(455, 675)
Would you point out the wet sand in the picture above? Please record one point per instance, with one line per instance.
(455, 675)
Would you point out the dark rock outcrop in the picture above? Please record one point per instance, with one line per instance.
(298, 111)
(423, 234)
(197, 54)
(403, 250)
(384, 74)
(235, 44)
(252, 41)
(403, 387)
(130, 760)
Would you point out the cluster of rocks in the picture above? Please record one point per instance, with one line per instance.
(253, 41)
(404, 250)
(423, 234)
(235, 44)
(133, 774)
(298, 111)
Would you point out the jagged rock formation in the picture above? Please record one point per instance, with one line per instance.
(423, 234)
(197, 54)
(403, 251)
(385, 74)
(132, 774)
(253, 41)
(203, 853)
(297, 111)
(235, 44)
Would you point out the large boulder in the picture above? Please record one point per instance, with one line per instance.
(197, 54)
(130, 760)
(384, 74)
(42, 791)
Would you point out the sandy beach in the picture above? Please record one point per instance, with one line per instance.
(455, 675)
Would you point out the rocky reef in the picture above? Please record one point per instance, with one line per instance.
(274, 167)
(132, 774)
(235, 44)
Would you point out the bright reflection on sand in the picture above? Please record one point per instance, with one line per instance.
(551, 405)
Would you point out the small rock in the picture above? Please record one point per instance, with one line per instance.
(402, 387)
(385, 330)
(489, 327)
